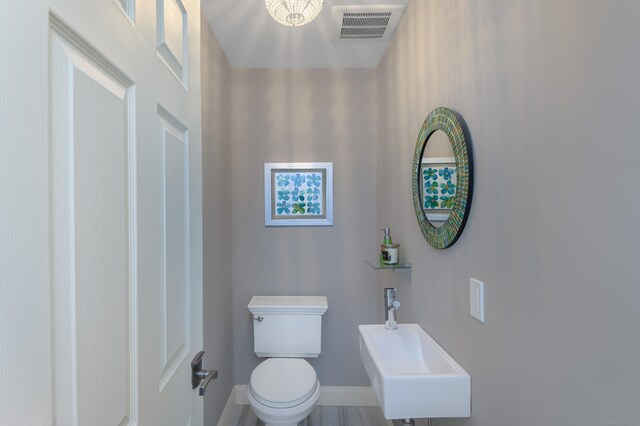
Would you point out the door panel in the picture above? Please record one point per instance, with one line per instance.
(175, 301)
(92, 285)
(101, 247)
(172, 36)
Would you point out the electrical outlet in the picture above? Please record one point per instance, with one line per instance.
(476, 299)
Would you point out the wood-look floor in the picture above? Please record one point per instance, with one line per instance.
(325, 416)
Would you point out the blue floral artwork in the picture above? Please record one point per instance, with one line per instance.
(438, 185)
(298, 193)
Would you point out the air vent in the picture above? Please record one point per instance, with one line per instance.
(376, 22)
(366, 19)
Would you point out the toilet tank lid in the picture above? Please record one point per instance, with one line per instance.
(301, 305)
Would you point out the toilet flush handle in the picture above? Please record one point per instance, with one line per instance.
(258, 318)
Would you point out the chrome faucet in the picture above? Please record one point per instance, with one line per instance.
(391, 305)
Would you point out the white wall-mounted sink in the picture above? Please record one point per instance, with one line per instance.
(412, 375)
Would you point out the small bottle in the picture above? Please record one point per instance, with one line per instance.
(387, 236)
(388, 250)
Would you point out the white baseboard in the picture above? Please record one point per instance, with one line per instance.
(335, 396)
(229, 413)
(241, 394)
(348, 396)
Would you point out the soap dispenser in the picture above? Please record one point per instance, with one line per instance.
(388, 250)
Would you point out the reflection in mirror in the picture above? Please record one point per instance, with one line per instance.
(438, 178)
(442, 167)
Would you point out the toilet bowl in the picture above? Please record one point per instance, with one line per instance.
(284, 388)
(283, 391)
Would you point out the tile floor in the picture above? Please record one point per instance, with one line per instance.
(324, 416)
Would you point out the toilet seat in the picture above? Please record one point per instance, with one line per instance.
(283, 382)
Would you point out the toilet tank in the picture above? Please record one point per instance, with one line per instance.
(287, 326)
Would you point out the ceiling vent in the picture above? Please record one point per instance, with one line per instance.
(375, 22)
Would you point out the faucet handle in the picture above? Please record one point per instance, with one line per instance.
(395, 305)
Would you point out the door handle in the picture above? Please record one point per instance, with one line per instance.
(205, 376)
(200, 378)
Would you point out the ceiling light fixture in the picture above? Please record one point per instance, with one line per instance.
(294, 13)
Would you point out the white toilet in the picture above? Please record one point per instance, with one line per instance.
(286, 329)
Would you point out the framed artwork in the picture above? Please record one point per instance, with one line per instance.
(298, 194)
(439, 185)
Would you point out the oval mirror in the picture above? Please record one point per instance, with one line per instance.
(442, 178)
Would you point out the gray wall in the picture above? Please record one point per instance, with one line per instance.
(549, 91)
(216, 150)
(305, 116)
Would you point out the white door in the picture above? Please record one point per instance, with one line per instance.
(100, 212)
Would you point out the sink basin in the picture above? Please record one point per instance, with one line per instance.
(412, 375)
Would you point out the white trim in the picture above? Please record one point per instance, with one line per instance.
(132, 182)
(439, 160)
(228, 413)
(437, 217)
(348, 396)
(241, 394)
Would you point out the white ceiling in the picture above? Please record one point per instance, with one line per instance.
(252, 39)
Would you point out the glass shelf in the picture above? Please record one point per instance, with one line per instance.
(378, 265)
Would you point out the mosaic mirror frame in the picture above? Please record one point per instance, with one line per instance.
(446, 235)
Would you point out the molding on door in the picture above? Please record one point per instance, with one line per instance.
(172, 133)
(172, 38)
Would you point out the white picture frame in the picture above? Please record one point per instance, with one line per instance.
(298, 194)
(438, 214)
